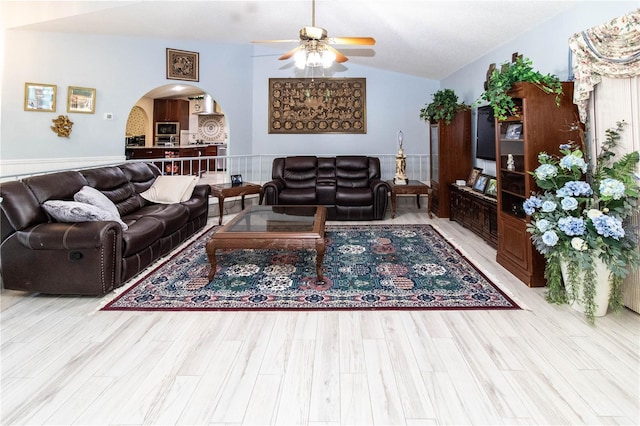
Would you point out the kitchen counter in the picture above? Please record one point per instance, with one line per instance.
(200, 145)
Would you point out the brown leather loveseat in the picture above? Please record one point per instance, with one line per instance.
(349, 186)
(39, 254)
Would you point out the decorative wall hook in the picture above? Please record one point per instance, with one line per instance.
(62, 126)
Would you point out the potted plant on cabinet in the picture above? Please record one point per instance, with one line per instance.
(579, 224)
(503, 78)
(443, 107)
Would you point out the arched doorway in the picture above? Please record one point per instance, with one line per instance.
(179, 120)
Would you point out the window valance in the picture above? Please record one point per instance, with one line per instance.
(610, 50)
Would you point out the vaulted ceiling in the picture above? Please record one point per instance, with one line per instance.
(426, 38)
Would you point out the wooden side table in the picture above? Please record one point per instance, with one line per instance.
(223, 190)
(413, 187)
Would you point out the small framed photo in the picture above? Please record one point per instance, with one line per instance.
(514, 131)
(481, 183)
(492, 188)
(236, 179)
(475, 172)
(183, 65)
(40, 97)
(81, 99)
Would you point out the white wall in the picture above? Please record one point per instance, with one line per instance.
(546, 45)
(124, 69)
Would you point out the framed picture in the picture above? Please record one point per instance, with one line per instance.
(317, 105)
(81, 99)
(514, 131)
(236, 179)
(481, 183)
(40, 97)
(492, 188)
(183, 65)
(475, 172)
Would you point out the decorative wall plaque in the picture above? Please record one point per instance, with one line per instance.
(317, 105)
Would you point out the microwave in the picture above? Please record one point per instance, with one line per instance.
(167, 128)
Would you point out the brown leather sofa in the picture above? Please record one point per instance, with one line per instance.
(349, 186)
(40, 255)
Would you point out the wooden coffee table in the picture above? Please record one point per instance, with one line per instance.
(223, 190)
(272, 227)
(413, 187)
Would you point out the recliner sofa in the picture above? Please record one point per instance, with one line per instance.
(38, 254)
(349, 186)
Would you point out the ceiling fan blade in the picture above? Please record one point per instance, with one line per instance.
(368, 41)
(339, 56)
(276, 41)
(291, 52)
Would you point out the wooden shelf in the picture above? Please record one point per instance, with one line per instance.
(545, 125)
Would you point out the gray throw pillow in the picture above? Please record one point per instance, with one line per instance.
(92, 196)
(74, 211)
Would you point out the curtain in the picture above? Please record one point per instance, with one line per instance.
(610, 50)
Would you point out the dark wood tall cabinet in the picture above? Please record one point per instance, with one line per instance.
(541, 126)
(450, 158)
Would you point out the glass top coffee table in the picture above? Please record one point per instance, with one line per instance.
(272, 227)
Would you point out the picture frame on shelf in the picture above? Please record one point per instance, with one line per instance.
(514, 131)
(491, 189)
(481, 183)
(183, 65)
(40, 97)
(81, 100)
(475, 172)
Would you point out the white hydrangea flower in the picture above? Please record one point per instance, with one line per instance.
(579, 244)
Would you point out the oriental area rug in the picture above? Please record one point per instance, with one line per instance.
(365, 267)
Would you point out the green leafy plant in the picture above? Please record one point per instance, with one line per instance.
(582, 214)
(503, 78)
(443, 107)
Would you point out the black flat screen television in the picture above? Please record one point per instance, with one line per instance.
(486, 134)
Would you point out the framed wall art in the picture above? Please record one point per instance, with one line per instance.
(318, 105)
(81, 99)
(183, 65)
(40, 97)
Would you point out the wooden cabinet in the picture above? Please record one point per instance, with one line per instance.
(541, 126)
(476, 212)
(171, 110)
(450, 158)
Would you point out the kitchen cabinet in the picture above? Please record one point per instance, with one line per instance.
(541, 125)
(172, 110)
(450, 158)
(193, 166)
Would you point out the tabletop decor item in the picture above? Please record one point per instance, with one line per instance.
(401, 163)
(579, 224)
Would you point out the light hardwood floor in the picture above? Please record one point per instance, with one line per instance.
(65, 362)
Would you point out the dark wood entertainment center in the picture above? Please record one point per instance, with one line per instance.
(476, 212)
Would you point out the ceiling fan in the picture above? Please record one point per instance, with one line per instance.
(315, 46)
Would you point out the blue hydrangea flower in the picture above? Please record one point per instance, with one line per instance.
(548, 206)
(565, 146)
(550, 238)
(546, 171)
(543, 225)
(608, 226)
(569, 203)
(569, 161)
(612, 188)
(572, 226)
(563, 192)
(578, 188)
(531, 204)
